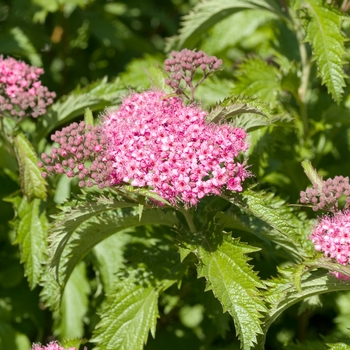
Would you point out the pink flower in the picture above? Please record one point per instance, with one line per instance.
(21, 93)
(184, 159)
(51, 346)
(331, 235)
(156, 142)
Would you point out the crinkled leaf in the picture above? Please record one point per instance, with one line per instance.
(223, 263)
(282, 293)
(130, 313)
(96, 96)
(323, 32)
(277, 215)
(258, 79)
(32, 183)
(208, 13)
(99, 228)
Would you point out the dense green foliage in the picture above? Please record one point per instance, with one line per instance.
(110, 270)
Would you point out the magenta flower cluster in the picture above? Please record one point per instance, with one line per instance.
(159, 143)
(331, 234)
(81, 153)
(51, 346)
(332, 237)
(21, 93)
(155, 142)
(326, 197)
(183, 65)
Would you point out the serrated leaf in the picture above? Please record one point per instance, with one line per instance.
(130, 313)
(96, 96)
(258, 79)
(233, 106)
(282, 293)
(323, 32)
(274, 212)
(74, 305)
(223, 263)
(32, 183)
(31, 236)
(207, 13)
(97, 229)
(88, 117)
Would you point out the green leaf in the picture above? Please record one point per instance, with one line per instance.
(258, 79)
(96, 96)
(283, 223)
(282, 293)
(129, 314)
(88, 220)
(32, 183)
(247, 113)
(208, 13)
(223, 263)
(32, 227)
(88, 117)
(74, 305)
(323, 32)
(97, 229)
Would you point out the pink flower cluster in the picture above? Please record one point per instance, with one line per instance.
(51, 346)
(153, 142)
(21, 93)
(159, 143)
(332, 236)
(326, 197)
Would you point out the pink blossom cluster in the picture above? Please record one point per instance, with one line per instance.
(183, 65)
(81, 153)
(21, 93)
(326, 197)
(157, 142)
(332, 236)
(51, 346)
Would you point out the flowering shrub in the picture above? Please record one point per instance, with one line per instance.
(160, 232)
(21, 93)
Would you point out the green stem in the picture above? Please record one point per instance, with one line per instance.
(188, 218)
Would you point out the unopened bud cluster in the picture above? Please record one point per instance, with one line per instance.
(326, 197)
(331, 234)
(183, 65)
(21, 93)
(80, 153)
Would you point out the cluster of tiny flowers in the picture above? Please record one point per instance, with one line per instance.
(51, 346)
(158, 143)
(81, 153)
(326, 197)
(21, 93)
(332, 236)
(183, 65)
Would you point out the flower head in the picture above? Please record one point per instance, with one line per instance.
(157, 142)
(21, 93)
(331, 235)
(51, 346)
(153, 142)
